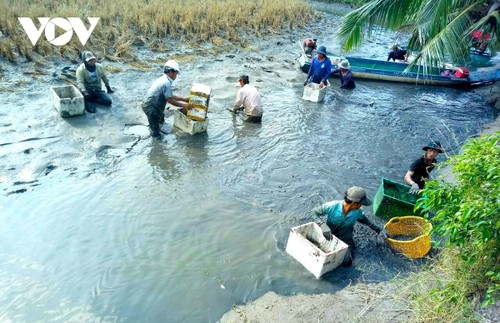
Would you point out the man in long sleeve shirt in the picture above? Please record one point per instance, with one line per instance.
(248, 100)
(341, 217)
(321, 68)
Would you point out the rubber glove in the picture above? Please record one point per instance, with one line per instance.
(109, 89)
(327, 232)
(414, 188)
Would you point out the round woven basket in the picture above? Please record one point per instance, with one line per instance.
(415, 226)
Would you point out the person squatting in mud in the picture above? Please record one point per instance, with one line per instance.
(159, 94)
(89, 76)
(341, 217)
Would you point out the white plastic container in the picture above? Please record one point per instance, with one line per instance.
(68, 101)
(313, 93)
(182, 122)
(308, 246)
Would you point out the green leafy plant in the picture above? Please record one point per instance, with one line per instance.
(467, 213)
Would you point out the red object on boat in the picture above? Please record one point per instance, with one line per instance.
(478, 35)
(462, 72)
(308, 42)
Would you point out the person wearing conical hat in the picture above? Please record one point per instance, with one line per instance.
(346, 78)
(420, 169)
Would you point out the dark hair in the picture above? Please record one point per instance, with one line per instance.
(244, 79)
(346, 199)
(167, 70)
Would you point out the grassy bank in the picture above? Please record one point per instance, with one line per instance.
(467, 271)
(153, 23)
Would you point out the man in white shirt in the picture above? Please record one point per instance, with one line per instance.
(248, 99)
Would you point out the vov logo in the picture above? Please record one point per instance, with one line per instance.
(49, 25)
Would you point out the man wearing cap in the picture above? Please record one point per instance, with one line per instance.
(346, 78)
(158, 95)
(321, 68)
(341, 217)
(420, 169)
(248, 100)
(89, 76)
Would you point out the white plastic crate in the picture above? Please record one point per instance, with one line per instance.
(68, 101)
(313, 93)
(187, 125)
(308, 246)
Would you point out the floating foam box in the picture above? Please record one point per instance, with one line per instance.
(192, 127)
(68, 101)
(199, 97)
(313, 93)
(308, 246)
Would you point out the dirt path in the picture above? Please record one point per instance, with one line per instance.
(360, 303)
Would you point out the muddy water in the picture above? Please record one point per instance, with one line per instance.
(100, 223)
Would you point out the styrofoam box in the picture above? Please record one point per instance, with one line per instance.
(303, 245)
(187, 125)
(313, 93)
(197, 113)
(201, 90)
(199, 97)
(68, 101)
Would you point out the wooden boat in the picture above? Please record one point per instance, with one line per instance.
(372, 69)
(480, 58)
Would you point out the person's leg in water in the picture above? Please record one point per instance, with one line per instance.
(349, 255)
(252, 119)
(154, 121)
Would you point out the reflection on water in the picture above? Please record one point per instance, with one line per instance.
(191, 225)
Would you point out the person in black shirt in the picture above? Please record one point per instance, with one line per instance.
(346, 78)
(397, 54)
(420, 169)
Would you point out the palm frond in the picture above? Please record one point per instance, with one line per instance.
(391, 14)
(448, 45)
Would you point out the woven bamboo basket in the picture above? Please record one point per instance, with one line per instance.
(410, 226)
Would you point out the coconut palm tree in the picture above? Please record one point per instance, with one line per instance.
(439, 29)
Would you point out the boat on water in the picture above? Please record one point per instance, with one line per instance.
(372, 69)
(480, 58)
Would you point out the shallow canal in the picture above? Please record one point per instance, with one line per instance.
(182, 229)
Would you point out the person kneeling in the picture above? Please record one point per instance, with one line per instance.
(89, 76)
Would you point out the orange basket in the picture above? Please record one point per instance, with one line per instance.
(410, 226)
